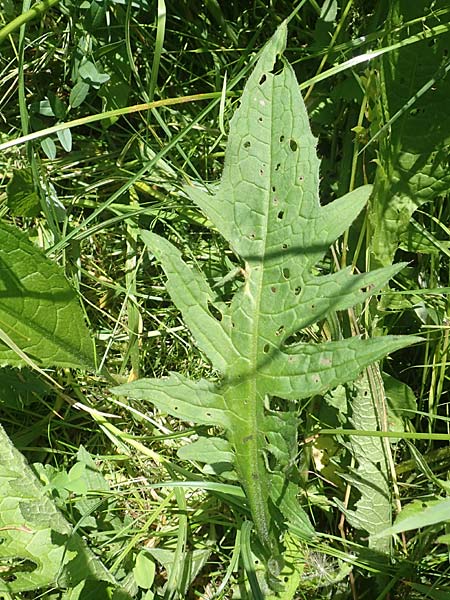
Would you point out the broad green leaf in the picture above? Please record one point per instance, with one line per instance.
(372, 512)
(215, 452)
(49, 147)
(421, 514)
(413, 158)
(266, 206)
(65, 138)
(38, 545)
(90, 74)
(144, 570)
(78, 93)
(39, 311)
(19, 389)
(22, 198)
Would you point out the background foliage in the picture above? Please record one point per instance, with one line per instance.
(75, 200)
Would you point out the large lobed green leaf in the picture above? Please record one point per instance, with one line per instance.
(267, 207)
(39, 311)
(38, 546)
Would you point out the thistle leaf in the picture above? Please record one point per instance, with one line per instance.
(39, 547)
(267, 208)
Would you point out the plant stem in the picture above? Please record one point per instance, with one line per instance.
(35, 11)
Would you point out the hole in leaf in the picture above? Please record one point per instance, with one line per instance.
(261, 172)
(262, 79)
(266, 348)
(233, 324)
(208, 414)
(293, 145)
(286, 273)
(297, 290)
(260, 119)
(301, 178)
(274, 189)
(280, 215)
(277, 168)
(315, 378)
(277, 67)
(273, 289)
(9, 567)
(281, 138)
(247, 144)
(215, 312)
(284, 246)
(414, 112)
(280, 330)
(252, 236)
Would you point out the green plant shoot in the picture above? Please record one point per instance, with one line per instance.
(267, 207)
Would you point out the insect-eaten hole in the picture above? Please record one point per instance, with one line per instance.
(260, 119)
(215, 312)
(273, 289)
(282, 138)
(251, 236)
(284, 246)
(261, 172)
(280, 330)
(301, 178)
(315, 378)
(18, 565)
(293, 145)
(274, 189)
(297, 290)
(247, 144)
(286, 273)
(280, 215)
(278, 165)
(277, 67)
(266, 348)
(262, 79)
(290, 341)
